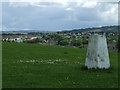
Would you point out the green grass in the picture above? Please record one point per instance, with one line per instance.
(44, 66)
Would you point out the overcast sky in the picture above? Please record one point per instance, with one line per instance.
(54, 16)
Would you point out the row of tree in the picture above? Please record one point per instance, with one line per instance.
(61, 40)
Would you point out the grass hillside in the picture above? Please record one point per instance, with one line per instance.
(44, 66)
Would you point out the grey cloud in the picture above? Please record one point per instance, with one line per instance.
(54, 18)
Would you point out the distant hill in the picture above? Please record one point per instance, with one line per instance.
(98, 29)
(26, 31)
(94, 29)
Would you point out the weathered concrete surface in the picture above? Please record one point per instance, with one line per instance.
(97, 53)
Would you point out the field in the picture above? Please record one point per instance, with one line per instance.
(44, 66)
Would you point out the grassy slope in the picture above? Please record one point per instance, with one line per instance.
(67, 72)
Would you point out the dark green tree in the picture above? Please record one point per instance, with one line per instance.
(64, 42)
(118, 44)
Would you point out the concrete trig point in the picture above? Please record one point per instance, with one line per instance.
(97, 53)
